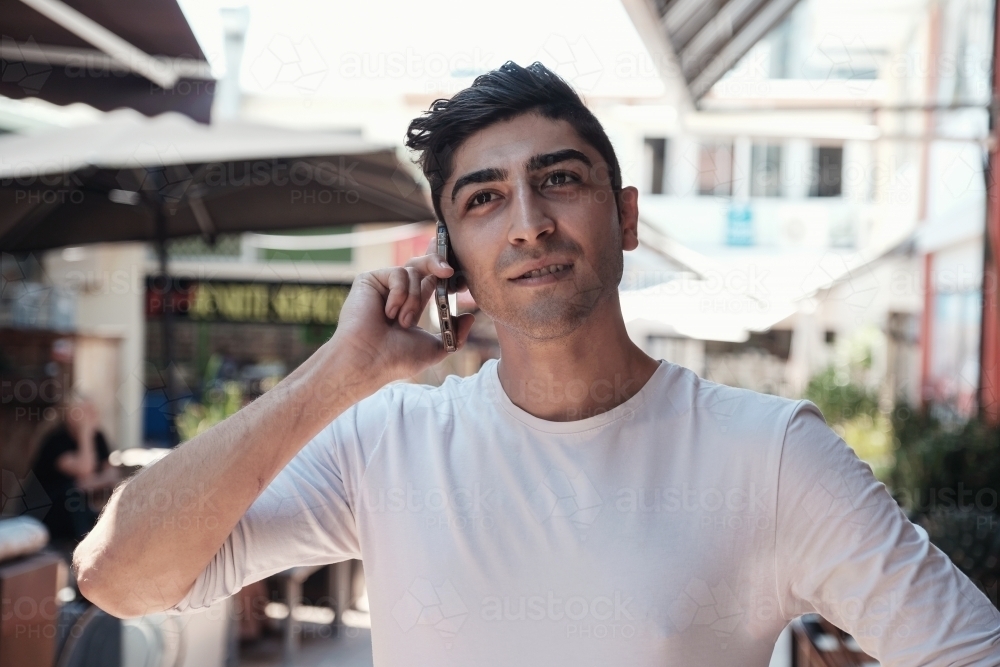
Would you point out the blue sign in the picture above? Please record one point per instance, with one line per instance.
(739, 225)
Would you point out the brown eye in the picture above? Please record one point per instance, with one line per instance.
(559, 178)
(480, 198)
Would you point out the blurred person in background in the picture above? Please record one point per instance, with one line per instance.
(70, 466)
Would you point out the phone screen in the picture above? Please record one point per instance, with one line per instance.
(445, 315)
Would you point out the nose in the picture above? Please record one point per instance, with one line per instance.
(530, 220)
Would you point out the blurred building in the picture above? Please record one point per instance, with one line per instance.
(836, 171)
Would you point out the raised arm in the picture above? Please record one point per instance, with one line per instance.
(163, 526)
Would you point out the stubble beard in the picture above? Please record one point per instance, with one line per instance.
(551, 311)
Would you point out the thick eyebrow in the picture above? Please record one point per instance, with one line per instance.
(548, 159)
(534, 163)
(482, 176)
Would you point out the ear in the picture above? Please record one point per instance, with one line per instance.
(628, 217)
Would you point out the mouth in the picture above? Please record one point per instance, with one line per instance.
(544, 276)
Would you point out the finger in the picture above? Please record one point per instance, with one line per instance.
(432, 347)
(432, 264)
(399, 291)
(432, 245)
(428, 285)
(463, 328)
(410, 312)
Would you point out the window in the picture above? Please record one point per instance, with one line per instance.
(827, 168)
(715, 169)
(765, 170)
(655, 156)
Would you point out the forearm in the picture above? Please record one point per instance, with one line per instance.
(162, 527)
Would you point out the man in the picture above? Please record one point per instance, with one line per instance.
(72, 463)
(575, 502)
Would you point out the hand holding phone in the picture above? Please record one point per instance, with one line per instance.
(445, 315)
(378, 321)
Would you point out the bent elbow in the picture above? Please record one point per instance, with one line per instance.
(96, 585)
(91, 587)
(128, 593)
(116, 601)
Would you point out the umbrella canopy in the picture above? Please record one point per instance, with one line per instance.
(139, 54)
(132, 178)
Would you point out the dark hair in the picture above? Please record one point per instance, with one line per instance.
(504, 93)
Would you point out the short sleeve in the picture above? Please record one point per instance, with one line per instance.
(845, 550)
(305, 516)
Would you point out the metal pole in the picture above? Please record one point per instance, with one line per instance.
(989, 350)
(927, 316)
(290, 646)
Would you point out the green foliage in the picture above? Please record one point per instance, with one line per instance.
(852, 411)
(218, 403)
(947, 477)
(839, 397)
(937, 466)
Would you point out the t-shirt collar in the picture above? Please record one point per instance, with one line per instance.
(626, 410)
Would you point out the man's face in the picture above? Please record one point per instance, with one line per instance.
(529, 193)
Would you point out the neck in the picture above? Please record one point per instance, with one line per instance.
(591, 370)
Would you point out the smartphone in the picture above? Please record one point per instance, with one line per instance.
(445, 315)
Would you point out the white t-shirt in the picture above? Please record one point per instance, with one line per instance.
(685, 527)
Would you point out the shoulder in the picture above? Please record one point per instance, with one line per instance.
(731, 410)
(366, 421)
(409, 400)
